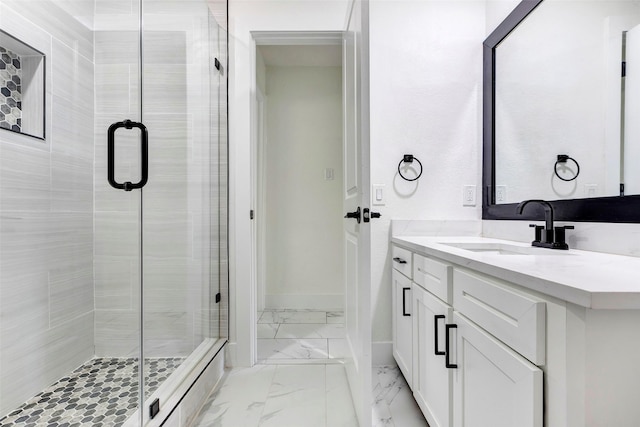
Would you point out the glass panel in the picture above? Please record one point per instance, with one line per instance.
(182, 108)
(70, 243)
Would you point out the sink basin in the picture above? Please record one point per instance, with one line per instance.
(504, 249)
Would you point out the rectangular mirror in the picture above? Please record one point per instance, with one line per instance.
(560, 94)
(22, 91)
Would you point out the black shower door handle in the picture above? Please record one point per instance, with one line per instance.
(144, 155)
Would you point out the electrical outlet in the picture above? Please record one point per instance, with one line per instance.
(501, 193)
(469, 195)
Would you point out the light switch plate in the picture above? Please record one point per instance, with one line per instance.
(378, 195)
(328, 174)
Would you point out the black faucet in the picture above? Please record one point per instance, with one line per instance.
(553, 237)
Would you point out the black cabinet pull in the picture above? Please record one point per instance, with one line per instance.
(404, 302)
(144, 155)
(435, 334)
(447, 349)
(399, 260)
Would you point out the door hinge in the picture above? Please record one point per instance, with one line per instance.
(251, 214)
(624, 68)
(218, 297)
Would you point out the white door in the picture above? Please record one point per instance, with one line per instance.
(356, 233)
(493, 385)
(631, 152)
(401, 323)
(432, 380)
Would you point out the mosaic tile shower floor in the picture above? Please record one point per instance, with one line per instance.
(102, 392)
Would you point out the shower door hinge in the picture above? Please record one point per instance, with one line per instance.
(624, 68)
(218, 297)
(154, 408)
(251, 214)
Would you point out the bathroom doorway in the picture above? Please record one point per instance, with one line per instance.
(298, 182)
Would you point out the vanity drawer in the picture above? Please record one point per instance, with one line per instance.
(434, 276)
(401, 259)
(516, 319)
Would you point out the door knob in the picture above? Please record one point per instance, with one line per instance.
(368, 215)
(355, 214)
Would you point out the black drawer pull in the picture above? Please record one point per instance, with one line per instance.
(399, 260)
(447, 349)
(404, 302)
(435, 334)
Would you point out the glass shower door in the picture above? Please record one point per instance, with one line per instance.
(121, 172)
(181, 203)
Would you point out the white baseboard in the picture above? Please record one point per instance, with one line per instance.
(301, 302)
(382, 353)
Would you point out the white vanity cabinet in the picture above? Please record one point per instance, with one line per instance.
(470, 338)
(432, 381)
(493, 385)
(538, 337)
(402, 324)
(401, 300)
(499, 333)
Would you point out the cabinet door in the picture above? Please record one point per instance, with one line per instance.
(432, 381)
(401, 318)
(493, 385)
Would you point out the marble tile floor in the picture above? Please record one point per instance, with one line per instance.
(393, 402)
(310, 336)
(103, 392)
(305, 396)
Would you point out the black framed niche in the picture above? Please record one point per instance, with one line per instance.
(22, 87)
(614, 209)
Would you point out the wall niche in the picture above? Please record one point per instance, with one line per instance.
(22, 87)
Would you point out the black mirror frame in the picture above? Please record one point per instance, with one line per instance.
(617, 209)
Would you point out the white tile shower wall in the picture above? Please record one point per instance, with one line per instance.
(431, 109)
(46, 213)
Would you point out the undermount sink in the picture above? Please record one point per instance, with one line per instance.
(503, 249)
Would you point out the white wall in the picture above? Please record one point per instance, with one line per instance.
(303, 209)
(245, 17)
(426, 81)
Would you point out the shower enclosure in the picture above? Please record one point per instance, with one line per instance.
(113, 219)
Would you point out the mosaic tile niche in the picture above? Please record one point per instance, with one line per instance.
(10, 90)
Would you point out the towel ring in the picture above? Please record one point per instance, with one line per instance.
(562, 158)
(408, 158)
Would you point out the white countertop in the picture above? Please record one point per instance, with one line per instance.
(590, 279)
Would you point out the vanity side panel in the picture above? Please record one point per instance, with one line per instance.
(612, 369)
(575, 366)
